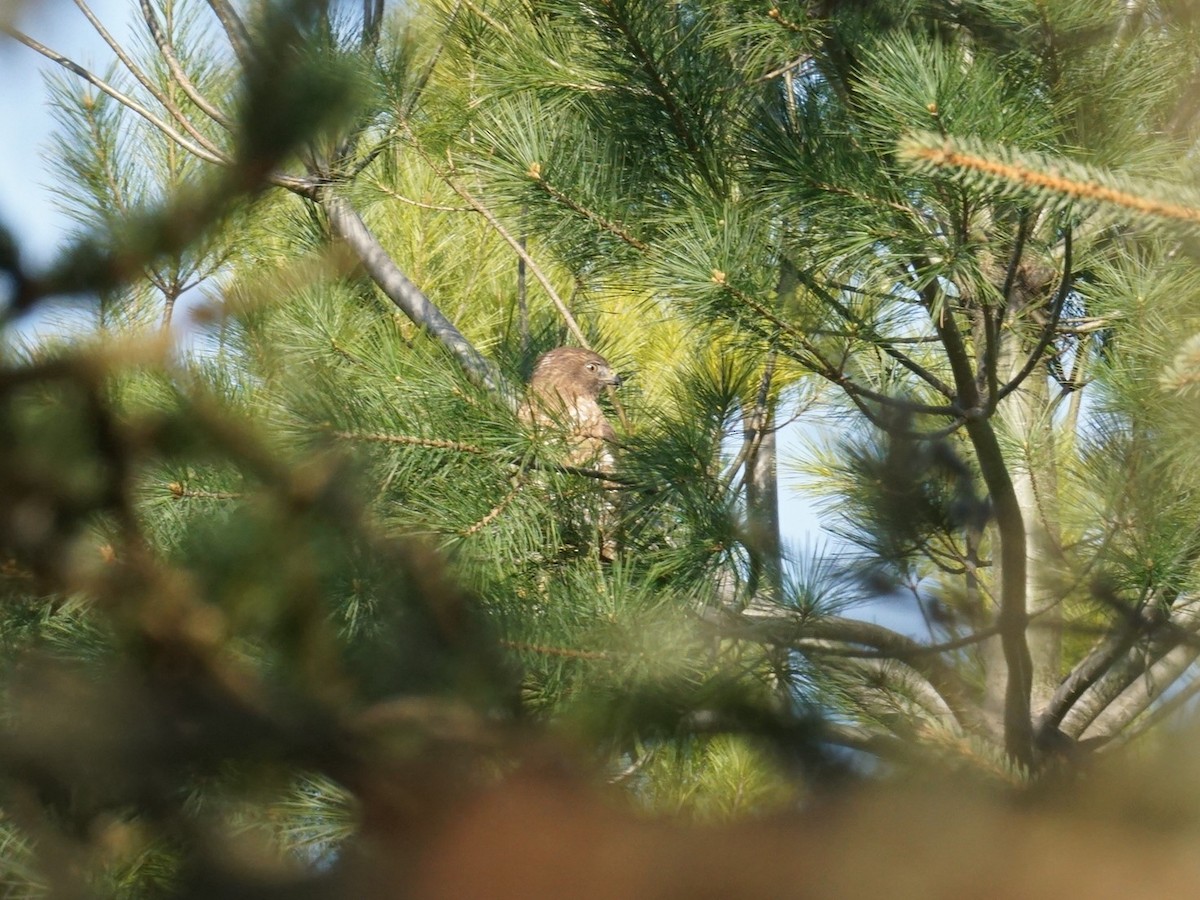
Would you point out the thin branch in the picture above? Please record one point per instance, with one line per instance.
(420, 204)
(867, 331)
(348, 225)
(565, 652)
(180, 492)
(785, 628)
(124, 99)
(814, 360)
(495, 512)
(1075, 406)
(490, 21)
(235, 30)
(660, 89)
(988, 375)
(419, 88)
(176, 68)
(385, 141)
(1050, 329)
(593, 217)
(144, 80)
(406, 440)
(620, 482)
(834, 648)
(513, 242)
(756, 421)
(895, 695)
(752, 433)
(786, 67)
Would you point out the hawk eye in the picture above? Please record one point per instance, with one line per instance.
(591, 367)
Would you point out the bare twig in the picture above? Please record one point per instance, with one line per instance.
(420, 204)
(1048, 332)
(867, 332)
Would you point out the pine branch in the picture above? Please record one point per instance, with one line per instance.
(180, 492)
(419, 204)
(787, 24)
(407, 441)
(176, 113)
(1180, 699)
(518, 464)
(447, 177)
(1138, 696)
(868, 331)
(1049, 331)
(1086, 673)
(235, 30)
(495, 512)
(1013, 618)
(1129, 689)
(1054, 179)
(662, 91)
(798, 347)
(565, 652)
(595, 218)
(785, 628)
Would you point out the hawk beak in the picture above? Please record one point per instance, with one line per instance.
(616, 381)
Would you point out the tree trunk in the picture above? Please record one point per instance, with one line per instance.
(763, 533)
(762, 503)
(1026, 417)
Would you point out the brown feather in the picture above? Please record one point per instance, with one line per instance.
(564, 394)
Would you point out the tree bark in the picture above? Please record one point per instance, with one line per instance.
(762, 491)
(1012, 618)
(1025, 415)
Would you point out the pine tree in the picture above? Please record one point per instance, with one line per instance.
(751, 170)
(813, 211)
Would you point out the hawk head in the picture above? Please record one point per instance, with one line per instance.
(564, 392)
(571, 373)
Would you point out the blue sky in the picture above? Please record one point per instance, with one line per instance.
(27, 205)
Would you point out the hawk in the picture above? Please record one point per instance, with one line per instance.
(564, 394)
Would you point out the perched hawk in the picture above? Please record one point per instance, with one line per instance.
(564, 394)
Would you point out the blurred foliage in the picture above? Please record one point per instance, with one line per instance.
(299, 608)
